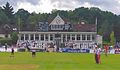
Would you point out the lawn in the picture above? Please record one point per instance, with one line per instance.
(57, 61)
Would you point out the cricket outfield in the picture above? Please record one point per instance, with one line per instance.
(57, 61)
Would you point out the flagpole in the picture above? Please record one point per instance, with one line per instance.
(96, 24)
(96, 28)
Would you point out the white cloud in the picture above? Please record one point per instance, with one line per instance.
(48, 5)
(42, 6)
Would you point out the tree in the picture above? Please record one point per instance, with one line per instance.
(19, 21)
(8, 10)
(105, 30)
(112, 38)
(33, 18)
(3, 18)
(5, 40)
(23, 15)
(14, 37)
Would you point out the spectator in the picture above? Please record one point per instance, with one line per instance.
(12, 52)
(33, 53)
(106, 48)
(5, 46)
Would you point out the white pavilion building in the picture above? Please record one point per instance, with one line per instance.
(59, 31)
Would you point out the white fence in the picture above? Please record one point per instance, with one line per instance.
(2, 49)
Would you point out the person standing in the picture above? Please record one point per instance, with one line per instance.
(99, 55)
(12, 52)
(97, 52)
(33, 53)
(106, 48)
(6, 46)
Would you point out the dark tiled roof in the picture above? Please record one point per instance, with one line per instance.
(7, 28)
(31, 27)
(75, 27)
(84, 27)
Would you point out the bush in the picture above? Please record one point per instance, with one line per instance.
(21, 50)
(6, 40)
(1, 37)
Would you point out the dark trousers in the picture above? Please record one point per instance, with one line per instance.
(96, 58)
(33, 54)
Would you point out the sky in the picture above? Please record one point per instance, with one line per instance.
(46, 6)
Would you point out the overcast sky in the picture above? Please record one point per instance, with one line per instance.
(47, 6)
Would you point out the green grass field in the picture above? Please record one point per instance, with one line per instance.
(57, 61)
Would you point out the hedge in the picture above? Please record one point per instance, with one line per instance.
(6, 40)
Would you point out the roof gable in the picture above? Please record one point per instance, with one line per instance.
(57, 21)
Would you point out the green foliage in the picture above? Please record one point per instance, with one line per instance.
(6, 40)
(106, 20)
(33, 18)
(8, 10)
(23, 15)
(1, 37)
(14, 37)
(112, 38)
(3, 18)
(105, 30)
(19, 23)
(106, 42)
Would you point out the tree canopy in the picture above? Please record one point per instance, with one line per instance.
(8, 10)
(107, 21)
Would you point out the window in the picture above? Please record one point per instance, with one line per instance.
(52, 26)
(57, 35)
(36, 36)
(46, 37)
(42, 37)
(68, 37)
(73, 37)
(83, 37)
(31, 37)
(78, 37)
(26, 36)
(88, 37)
(6, 35)
(22, 36)
(51, 37)
(55, 26)
(93, 37)
(58, 26)
(61, 26)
